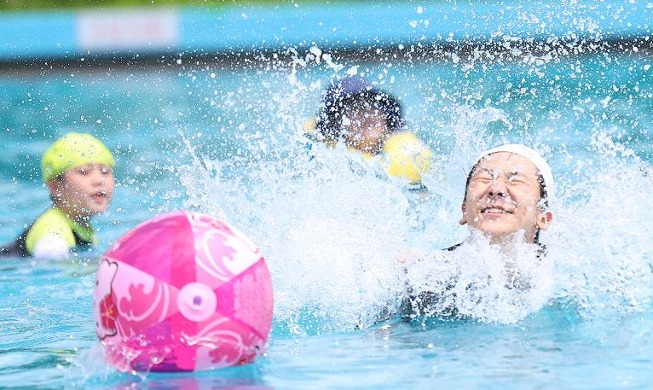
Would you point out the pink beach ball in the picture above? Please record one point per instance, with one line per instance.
(182, 292)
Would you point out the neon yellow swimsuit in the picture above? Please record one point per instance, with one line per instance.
(55, 223)
(52, 223)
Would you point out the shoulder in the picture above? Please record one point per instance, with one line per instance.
(52, 219)
(51, 224)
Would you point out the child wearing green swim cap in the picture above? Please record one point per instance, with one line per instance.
(78, 171)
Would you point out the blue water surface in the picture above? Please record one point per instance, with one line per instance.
(52, 344)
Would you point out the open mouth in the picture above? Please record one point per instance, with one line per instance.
(99, 197)
(494, 209)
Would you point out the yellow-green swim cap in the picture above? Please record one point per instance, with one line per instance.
(73, 150)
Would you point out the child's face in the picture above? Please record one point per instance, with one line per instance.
(85, 190)
(503, 198)
(365, 129)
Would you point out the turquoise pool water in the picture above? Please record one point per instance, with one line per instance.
(215, 138)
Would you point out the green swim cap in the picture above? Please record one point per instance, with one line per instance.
(73, 150)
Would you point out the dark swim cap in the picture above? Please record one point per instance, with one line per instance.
(349, 91)
(344, 89)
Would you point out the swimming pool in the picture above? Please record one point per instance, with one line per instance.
(215, 137)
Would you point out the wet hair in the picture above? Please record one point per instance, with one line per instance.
(354, 92)
(542, 203)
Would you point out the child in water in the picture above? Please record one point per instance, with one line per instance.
(370, 121)
(78, 171)
(506, 205)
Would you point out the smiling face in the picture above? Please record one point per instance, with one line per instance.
(83, 191)
(503, 198)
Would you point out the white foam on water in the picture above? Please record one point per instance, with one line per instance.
(599, 255)
(336, 231)
(333, 228)
(600, 241)
(480, 282)
(331, 231)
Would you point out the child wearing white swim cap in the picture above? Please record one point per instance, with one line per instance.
(508, 192)
(506, 206)
(78, 171)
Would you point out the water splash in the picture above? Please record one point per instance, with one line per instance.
(603, 254)
(333, 226)
(480, 282)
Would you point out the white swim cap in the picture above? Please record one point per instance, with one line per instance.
(534, 157)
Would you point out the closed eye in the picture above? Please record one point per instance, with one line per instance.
(483, 178)
(516, 178)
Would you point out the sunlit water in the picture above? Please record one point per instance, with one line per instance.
(228, 141)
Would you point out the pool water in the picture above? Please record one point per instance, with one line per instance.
(227, 139)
